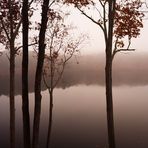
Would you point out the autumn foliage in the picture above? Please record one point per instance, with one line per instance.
(8, 24)
(128, 19)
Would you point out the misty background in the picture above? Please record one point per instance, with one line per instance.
(130, 69)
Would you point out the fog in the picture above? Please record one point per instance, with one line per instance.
(128, 69)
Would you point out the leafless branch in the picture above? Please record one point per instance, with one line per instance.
(18, 48)
(60, 75)
(44, 79)
(99, 12)
(105, 27)
(7, 56)
(90, 18)
(51, 3)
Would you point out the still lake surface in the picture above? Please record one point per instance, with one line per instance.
(79, 117)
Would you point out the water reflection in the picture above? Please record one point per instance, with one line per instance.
(110, 128)
(48, 145)
(12, 123)
(80, 118)
(36, 124)
(26, 124)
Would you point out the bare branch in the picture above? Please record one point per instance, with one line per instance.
(18, 48)
(51, 3)
(44, 79)
(101, 3)
(99, 12)
(60, 75)
(105, 27)
(7, 56)
(30, 2)
(90, 18)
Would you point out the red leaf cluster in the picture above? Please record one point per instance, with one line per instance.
(78, 2)
(128, 19)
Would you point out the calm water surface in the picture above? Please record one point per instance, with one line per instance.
(79, 117)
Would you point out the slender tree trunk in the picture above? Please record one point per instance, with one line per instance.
(38, 76)
(51, 97)
(50, 119)
(12, 94)
(25, 98)
(108, 76)
(12, 80)
(109, 101)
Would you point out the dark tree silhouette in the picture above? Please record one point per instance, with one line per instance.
(38, 76)
(9, 26)
(117, 21)
(25, 101)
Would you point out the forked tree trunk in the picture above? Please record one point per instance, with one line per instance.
(25, 98)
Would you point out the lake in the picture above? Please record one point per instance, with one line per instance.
(79, 117)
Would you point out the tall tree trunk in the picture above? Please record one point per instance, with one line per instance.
(12, 93)
(108, 76)
(109, 101)
(12, 80)
(25, 98)
(50, 119)
(38, 76)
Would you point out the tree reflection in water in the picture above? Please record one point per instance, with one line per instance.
(48, 145)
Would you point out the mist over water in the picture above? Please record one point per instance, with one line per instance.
(128, 69)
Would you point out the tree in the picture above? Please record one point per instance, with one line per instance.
(60, 48)
(118, 20)
(25, 101)
(38, 77)
(9, 27)
(10, 23)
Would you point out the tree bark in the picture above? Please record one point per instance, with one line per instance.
(25, 98)
(109, 101)
(12, 93)
(108, 76)
(38, 76)
(12, 79)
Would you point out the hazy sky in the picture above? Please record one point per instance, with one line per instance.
(96, 43)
